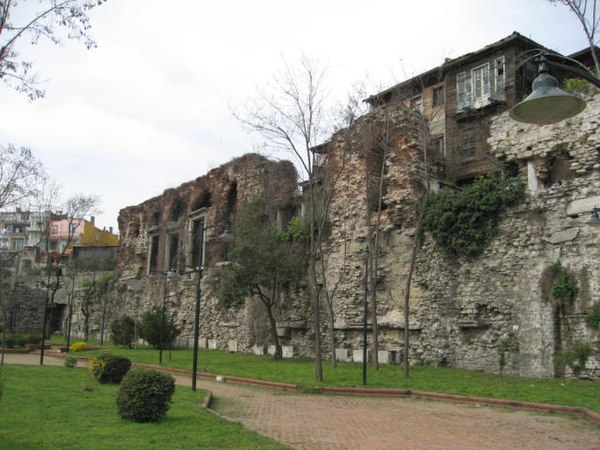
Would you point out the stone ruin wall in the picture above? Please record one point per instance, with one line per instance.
(218, 197)
(462, 309)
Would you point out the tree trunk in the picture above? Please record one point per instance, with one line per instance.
(314, 293)
(273, 324)
(103, 322)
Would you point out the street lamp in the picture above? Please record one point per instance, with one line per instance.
(365, 255)
(547, 103)
(168, 276)
(225, 236)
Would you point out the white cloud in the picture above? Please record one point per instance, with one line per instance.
(150, 107)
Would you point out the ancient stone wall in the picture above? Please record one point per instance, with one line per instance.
(462, 309)
(216, 199)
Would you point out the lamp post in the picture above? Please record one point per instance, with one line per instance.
(547, 103)
(366, 255)
(226, 236)
(168, 276)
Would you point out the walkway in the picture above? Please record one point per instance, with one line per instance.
(339, 422)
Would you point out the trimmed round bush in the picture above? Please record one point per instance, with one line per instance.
(34, 339)
(109, 368)
(145, 395)
(78, 346)
(122, 331)
(70, 361)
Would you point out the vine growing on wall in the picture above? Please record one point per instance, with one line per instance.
(464, 222)
(592, 318)
(564, 284)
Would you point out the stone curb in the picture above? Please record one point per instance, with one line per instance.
(373, 392)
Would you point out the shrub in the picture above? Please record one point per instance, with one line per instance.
(109, 368)
(575, 357)
(9, 341)
(77, 346)
(122, 331)
(34, 339)
(144, 395)
(592, 318)
(70, 361)
(152, 331)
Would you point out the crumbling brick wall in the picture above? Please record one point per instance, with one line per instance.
(168, 220)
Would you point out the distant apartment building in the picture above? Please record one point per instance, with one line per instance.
(28, 238)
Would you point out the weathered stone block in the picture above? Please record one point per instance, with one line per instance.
(287, 351)
(563, 236)
(585, 205)
(232, 346)
(357, 355)
(341, 354)
(258, 349)
(384, 357)
(212, 344)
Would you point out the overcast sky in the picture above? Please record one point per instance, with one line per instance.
(150, 107)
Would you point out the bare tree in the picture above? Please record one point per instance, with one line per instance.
(21, 176)
(52, 20)
(292, 117)
(588, 15)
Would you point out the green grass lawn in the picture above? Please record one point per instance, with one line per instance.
(448, 380)
(47, 408)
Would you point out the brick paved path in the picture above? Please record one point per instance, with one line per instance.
(339, 422)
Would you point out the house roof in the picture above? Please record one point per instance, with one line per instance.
(436, 74)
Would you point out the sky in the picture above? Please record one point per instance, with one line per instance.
(151, 107)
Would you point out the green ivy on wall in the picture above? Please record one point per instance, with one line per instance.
(564, 284)
(464, 222)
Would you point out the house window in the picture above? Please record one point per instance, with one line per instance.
(4, 243)
(197, 243)
(468, 144)
(417, 103)
(153, 257)
(481, 85)
(438, 145)
(463, 91)
(475, 87)
(73, 228)
(54, 230)
(173, 252)
(438, 96)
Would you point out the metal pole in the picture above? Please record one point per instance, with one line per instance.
(162, 322)
(47, 300)
(197, 326)
(365, 312)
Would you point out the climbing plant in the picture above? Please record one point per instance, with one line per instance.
(464, 222)
(564, 284)
(592, 318)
